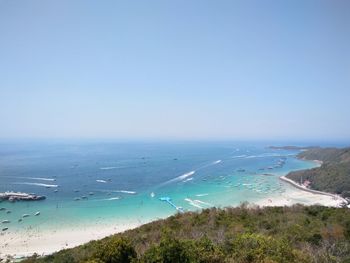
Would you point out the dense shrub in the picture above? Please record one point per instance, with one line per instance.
(115, 250)
(239, 235)
(259, 248)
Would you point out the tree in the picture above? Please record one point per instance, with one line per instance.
(115, 250)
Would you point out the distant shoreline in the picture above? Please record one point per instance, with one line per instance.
(295, 184)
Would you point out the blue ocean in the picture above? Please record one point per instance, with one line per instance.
(89, 182)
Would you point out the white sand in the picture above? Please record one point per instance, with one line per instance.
(296, 194)
(43, 242)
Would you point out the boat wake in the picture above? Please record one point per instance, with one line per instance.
(181, 177)
(41, 178)
(101, 181)
(39, 184)
(108, 168)
(188, 179)
(124, 192)
(197, 203)
(112, 198)
(199, 195)
(201, 202)
(193, 203)
(31, 178)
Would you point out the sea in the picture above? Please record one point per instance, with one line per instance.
(89, 182)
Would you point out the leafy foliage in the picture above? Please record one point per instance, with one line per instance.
(334, 174)
(241, 235)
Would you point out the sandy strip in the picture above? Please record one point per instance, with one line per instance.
(334, 196)
(35, 240)
(297, 194)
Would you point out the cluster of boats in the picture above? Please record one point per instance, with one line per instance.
(3, 222)
(260, 186)
(84, 197)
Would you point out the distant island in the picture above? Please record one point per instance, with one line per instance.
(333, 176)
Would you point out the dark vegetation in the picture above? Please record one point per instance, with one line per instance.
(334, 174)
(274, 234)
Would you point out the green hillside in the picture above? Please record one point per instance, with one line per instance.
(334, 174)
(274, 234)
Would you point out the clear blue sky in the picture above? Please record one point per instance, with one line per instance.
(175, 69)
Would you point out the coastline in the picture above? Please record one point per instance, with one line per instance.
(303, 188)
(44, 242)
(296, 195)
(20, 244)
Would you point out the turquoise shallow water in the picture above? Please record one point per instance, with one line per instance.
(124, 181)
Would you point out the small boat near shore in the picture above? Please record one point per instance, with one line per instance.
(37, 213)
(5, 221)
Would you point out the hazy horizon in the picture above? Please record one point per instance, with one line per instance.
(199, 70)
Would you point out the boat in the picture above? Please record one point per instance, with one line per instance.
(152, 194)
(20, 220)
(5, 221)
(8, 212)
(5, 228)
(18, 196)
(37, 213)
(25, 215)
(91, 193)
(77, 199)
(2, 208)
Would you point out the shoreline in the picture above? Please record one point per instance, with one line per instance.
(20, 244)
(45, 242)
(303, 188)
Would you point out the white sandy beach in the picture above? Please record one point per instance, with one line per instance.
(43, 242)
(297, 196)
